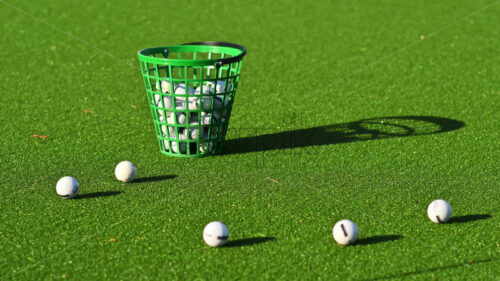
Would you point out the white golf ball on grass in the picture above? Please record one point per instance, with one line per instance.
(215, 234)
(67, 187)
(439, 211)
(345, 232)
(125, 171)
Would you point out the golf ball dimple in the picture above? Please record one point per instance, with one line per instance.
(439, 211)
(345, 232)
(67, 187)
(125, 171)
(215, 234)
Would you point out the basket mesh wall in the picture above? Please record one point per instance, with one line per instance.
(191, 94)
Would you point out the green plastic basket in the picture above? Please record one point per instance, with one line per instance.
(191, 89)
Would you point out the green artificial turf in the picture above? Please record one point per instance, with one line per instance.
(310, 142)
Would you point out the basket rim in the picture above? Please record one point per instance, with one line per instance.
(218, 61)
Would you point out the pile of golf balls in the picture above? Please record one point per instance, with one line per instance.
(200, 111)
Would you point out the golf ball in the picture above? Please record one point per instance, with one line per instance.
(181, 118)
(182, 90)
(206, 147)
(181, 145)
(215, 234)
(220, 86)
(194, 132)
(167, 101)
(439, 211)
(205, 118)
(345, 232)
(205, 90)
(165, 86)
(125, 171)
(67, 187)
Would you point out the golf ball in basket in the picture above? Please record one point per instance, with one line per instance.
(165, 86)
(220, 86)
(181, 118)
(182, 90)
(167, 101)
(205, 90)
(345, 232)
(194, 132)
(125, 171)
(215, 234)
(205, 118)
(206, 147)
(67, 187)
(439, 211)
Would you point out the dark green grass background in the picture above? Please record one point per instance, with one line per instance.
(309, 64)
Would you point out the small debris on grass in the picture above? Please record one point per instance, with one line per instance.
(273, 180)
(234, 205)
(64, 276)
(88, 111)
(133, 106)
(112, 240)
(422, 37)
(472, 261)
(39, 136)
(301, 221)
